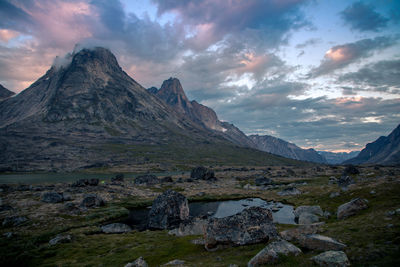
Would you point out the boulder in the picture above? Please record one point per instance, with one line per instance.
(270, 254)
(139, 262)
(51, 197)
(308, 218)
(350, 170)
(66, 196)
(60, 239)
(85, 182)
(147, 179)
(168, 210)
(332, 259)
(116, 228)
(119, 178)
(14, 221)
(263, 181)
(175, 263)
(320, 243)
(91, 201)
(290, 191)
(252, 225)
(351, 208)
(345, 181)
(166, 179)
(202, 173)
(93, 182)
(309, 209)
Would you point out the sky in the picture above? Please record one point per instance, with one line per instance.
(320, 74)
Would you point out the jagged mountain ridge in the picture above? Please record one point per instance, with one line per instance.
(5, 93)
(338, 157)
(90, 113)
(283, 148)
(385, 150)
(172, 93)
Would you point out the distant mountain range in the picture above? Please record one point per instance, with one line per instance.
(385, 150)
(285, 149)
(5, 93)
(88, 113)
(337, 157)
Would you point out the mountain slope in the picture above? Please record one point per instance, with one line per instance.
(385, 150)
(338, 157)
(90, 113)
(285, 149)
(172, 93)
(5, 93)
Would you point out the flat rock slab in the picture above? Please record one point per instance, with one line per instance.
(309, 209)
(60, 239)
(270, 254)
(332, 259)
(351, 208)
(295, 234)
(308, 218)
(251, 226)
(116, 228)
(321, 243)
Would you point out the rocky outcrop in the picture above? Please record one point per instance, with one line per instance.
(5, 93)
(85, 182)
(92, 201)
(252, 225)
(51, 197)
(14, 221)
(308, 218)
(147, 179)
(168, 210)
(385, 150)
(285, 149)
(332, 259)
(116, 228)
(270, 254)
(259, 181)
(351, 208)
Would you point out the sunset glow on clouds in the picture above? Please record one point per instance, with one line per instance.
(323, 74)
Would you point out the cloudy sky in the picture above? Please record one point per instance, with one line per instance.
(322, 74)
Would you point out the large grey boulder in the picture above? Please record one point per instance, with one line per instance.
(252, 225)
(332, 259)
(309, 209)
(270, 254)
(14, 221)
(139, 262)
(295, 234)
(91, 201)
(345, 181)
(202, 173)
(116, 228)
(308, 218)
(290, 191)
(320, 243)
(194, 227)
(60, 239)
(51, 197)
(168, 210)
(147, 179)
(351, 208)
(263, 181)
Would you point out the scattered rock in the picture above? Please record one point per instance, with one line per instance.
(308, 218)
(66, 196)
(8, 234)
(119, 178)
(252, 225)
(295, 234)
(139, 262)
(147, 179)
(194, 227)
(351, 208)
(332, 259)
(290, 172)
(350, 170)
(334, 194)
(71, 207)
(327, 214)
(91, 201)
(270, 254)
(333, 180)
(166, 179)
(290, 191)
(372, 192)
(51, 197)
(85, 182)
(14, 221)
(263, 181)
(202, 173)
(198, 241)
(308, 209)
(116, 228)
(60, 239)
(345, 181)
(168, 210)
(320, 243)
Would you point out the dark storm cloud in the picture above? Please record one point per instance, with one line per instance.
(384, 73)
(265, 23)
(363, 17)
(341, 56)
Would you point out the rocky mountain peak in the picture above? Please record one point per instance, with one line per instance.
(172, 93)
(5, 93)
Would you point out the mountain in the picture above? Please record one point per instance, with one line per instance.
(338, 157)
(5, 93)
(86, 112)
(385, 150)
(172, 93)
(283, 148)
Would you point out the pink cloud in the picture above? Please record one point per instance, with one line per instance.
(7, 35)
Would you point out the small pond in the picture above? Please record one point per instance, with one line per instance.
(281, 213)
